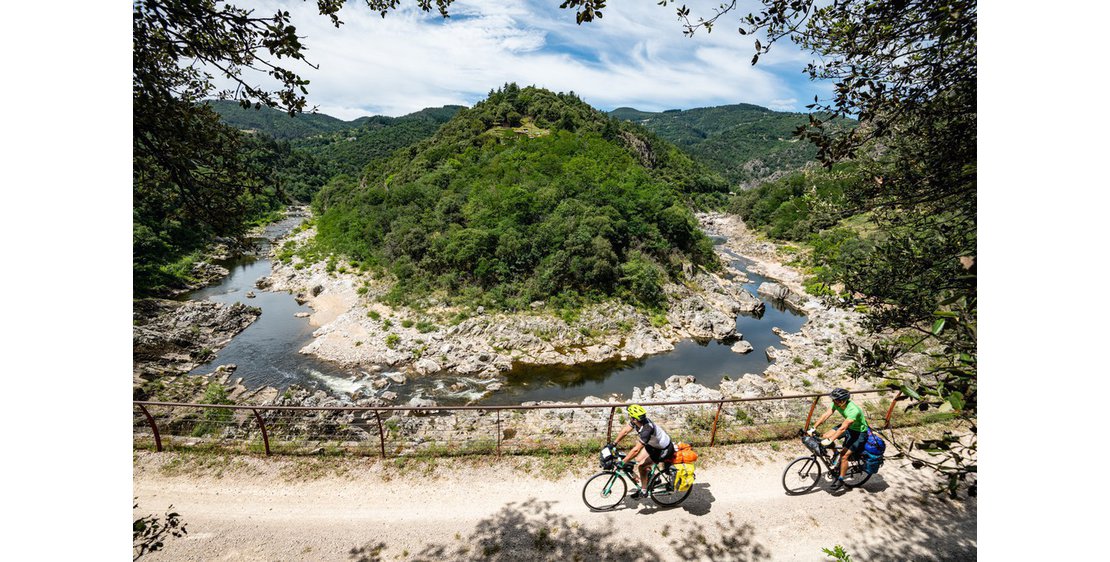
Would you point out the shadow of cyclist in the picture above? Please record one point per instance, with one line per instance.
(698, 503)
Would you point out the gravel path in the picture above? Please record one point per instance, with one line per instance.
(268, 509)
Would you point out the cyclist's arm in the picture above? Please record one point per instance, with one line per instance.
(635, 451)
(624, 431)
(836, 433)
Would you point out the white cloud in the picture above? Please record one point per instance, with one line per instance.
(635, 56)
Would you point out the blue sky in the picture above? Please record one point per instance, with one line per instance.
(635, 56)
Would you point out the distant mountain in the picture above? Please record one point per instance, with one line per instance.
(350, 149)
(744, 143)
(341, 146)
(278, 124)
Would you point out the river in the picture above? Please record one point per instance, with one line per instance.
(266, 353)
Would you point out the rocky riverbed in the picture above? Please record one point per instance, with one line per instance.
(171, 337)
(357, 331)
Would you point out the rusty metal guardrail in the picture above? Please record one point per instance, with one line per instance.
(143, 406)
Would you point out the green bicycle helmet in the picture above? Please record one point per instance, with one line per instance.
(636, 411)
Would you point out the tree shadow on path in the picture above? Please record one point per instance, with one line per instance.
(531, 531)
(909, 522)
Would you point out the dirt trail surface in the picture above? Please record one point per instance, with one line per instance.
(251, 508)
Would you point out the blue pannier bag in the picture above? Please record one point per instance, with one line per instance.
(875, 444)
(871, 462)
(873, 452)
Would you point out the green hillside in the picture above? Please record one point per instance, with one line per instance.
(349, 150)
(278, 124)
(529, 195)
(744, 143)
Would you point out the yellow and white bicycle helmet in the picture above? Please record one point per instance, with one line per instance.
(637, 412)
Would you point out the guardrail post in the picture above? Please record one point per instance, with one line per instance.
(381, 434)
(609, 427)
(713, 437)
(809, 417)
(890, 410)
(265, 436)
(499, 433)
(154, 426)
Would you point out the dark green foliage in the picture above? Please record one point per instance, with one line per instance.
(349, 150)
(279, 124)
(570, 205)
(799, 205)
(744, 143)
(213, 419)
(341, 147)
(193, 179)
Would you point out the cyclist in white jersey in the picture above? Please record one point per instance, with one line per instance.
(654, 446)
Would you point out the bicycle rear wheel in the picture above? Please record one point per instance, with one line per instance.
(664, 497)
(604, 491)
(856, 475)
(801, 475)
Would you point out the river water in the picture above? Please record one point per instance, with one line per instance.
(266, 353)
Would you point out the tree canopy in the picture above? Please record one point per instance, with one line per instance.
(528, 195)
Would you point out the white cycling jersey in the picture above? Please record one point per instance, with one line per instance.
(653, 436)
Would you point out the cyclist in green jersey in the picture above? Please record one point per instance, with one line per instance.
(854, 430)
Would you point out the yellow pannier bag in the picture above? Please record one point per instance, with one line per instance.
(684, 476)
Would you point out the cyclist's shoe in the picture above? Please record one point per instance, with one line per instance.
(637, 494)
(837, 485)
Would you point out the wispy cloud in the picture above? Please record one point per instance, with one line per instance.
(635, 56)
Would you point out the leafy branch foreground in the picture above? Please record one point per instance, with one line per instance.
(149, 532)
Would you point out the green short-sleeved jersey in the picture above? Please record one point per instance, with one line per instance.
(854, 413)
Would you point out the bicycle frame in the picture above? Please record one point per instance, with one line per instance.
(617, 474)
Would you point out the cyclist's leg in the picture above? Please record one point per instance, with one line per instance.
(845, 458)
(643, 461)
(854, 442)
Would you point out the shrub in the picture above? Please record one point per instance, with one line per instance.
(212, 419)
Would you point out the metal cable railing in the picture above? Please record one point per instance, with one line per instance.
(450, 430)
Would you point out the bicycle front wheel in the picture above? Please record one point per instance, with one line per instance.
(856, 475)
(603, 491)
(801, 475)
(665, 498)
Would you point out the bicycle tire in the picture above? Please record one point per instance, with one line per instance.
(596, 492)
(664, 498)
(856, 475)
(801, 475)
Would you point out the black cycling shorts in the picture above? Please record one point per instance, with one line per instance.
(659, 455)
(855, 441)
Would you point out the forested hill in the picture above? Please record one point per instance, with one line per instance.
(743, 142)
(339, 147)
(529, 195)
(278, 124)
(349, 150)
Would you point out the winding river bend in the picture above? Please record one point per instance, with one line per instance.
(266, 353)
